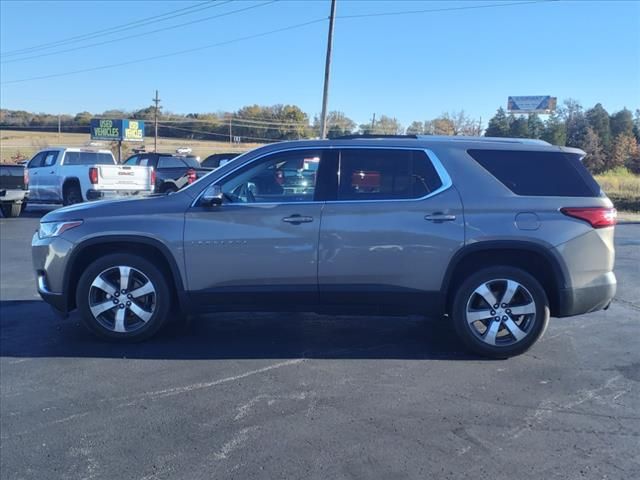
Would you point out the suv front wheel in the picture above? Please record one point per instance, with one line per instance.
(499, 312)
(123, 297)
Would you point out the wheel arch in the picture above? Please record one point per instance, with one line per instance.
(539, 261)
(151, 249)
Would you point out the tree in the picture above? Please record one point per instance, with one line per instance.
(83, 118)
(621, 123)
(384, 126)
(555, 131)
(338, 124)
(416, 128)
(598, 120)
(535, 127)
(624, 151)
(595, 159)
(498, 125)
(518, 127)
(636, 124)
(439, 126)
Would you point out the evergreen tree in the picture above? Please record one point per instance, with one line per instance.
(598, 119)
(535, 127)
(498, 125)
(519, 127)
(621, 123)
(555, 131)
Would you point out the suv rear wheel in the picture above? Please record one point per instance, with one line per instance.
(499, 312)
(123, 297)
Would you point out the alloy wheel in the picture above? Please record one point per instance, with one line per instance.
(122, 299)
(501, 312)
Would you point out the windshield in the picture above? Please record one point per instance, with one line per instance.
(88, 158)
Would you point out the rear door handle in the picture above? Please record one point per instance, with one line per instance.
(297, 219)
(439, 217)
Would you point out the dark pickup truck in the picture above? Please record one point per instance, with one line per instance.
(172, 172)
(14, 187)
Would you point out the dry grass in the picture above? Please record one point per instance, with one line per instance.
(19, 144)
(622, 187)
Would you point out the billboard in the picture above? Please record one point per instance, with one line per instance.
(532, 104)
(117, 130)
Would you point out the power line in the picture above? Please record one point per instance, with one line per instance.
(164, 29)
(118, 28)
(202, 132)
(165, 55)
(445, 9)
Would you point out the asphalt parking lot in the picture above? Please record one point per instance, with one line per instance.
(309, 396)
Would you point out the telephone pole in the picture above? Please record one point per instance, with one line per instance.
(327, 71)
(156, 100)
(373, 122)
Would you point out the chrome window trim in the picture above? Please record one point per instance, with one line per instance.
(445, 179)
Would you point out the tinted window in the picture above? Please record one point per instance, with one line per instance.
(132, 160)
(281, 177)
(50, 158)
(191, 162)
(170, 162)
(88, 158)
(554, 174)
(379, 174)
(36, 161)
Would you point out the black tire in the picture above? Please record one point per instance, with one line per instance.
(72, 195)
(23, 206)
(101, 325)
(10, 210)
(497, 340)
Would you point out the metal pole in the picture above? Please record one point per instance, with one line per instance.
(156, 100)
(119, 151)
(327, 71)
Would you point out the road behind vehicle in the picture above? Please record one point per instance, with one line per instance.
(496, 234)
(13, 189)
(172, 172)
(74, 175)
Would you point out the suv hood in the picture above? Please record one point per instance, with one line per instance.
(150, 204)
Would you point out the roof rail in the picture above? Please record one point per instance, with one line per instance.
(467, 138)
(372, 135)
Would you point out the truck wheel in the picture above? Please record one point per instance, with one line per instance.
(10, 209)
(123, 297)
(72, 195)
(23, 206)
(500, 312)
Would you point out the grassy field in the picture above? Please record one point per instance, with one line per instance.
(622, 187)
(19, 144)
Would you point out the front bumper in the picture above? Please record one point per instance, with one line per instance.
(50, 257)
(591, 298)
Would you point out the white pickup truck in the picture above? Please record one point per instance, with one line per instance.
(74, 175)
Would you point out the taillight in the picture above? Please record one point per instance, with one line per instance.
(598, 217)
(26, 178)
(93, 175)
(191, 175)
(153, 177)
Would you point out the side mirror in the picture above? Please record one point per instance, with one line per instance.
(212, 196)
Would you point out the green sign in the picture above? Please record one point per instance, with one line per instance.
(117, 130)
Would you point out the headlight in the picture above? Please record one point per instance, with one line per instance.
(53, 229)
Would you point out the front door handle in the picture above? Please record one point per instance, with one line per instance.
(439, 217)
(297, 219)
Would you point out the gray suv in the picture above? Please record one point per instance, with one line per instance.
(494, 234)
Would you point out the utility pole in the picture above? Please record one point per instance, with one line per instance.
(327, 71)
(373, 122)
(156, 100)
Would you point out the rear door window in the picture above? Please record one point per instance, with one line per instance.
(385, 174)
(553, 174)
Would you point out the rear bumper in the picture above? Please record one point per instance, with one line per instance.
(576, 301)
(106, 194)
(13, 195)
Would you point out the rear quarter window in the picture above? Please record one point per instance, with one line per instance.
(88, 158)
(552, 174)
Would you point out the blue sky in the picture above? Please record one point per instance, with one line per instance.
(413, 67)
